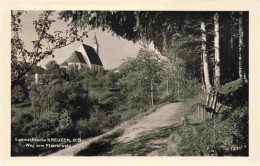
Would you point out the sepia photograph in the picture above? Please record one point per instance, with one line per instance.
(129, 83)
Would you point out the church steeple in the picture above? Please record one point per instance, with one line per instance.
(95, 44)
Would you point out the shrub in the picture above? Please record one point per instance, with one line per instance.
(217, 136)
(18, 94)
(82, 127)
(65, 127)
(43, 127)
(112, 120)
(94, 125)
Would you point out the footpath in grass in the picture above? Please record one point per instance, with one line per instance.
(154, 134)
(224, 135)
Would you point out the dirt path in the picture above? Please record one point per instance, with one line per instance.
(164, 116)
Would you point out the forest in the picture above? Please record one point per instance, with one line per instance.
(199, 52)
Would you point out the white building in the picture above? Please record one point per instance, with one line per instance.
(85, 56)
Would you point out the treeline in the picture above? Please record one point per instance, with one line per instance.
(213, 44)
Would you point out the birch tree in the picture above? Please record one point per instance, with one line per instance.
(216, 48)
(205, 56)
(241, 48)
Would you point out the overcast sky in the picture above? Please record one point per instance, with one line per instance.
(112, 49)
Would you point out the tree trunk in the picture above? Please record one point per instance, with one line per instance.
(232, 41)
(205, 57)
(34, 113)
(168, 94)
(178, 83)
(216, 47)
(164, 41)
(202, 75)
(241, 47)
(152, 93)
(167, 86)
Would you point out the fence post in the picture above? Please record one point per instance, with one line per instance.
(198, 111)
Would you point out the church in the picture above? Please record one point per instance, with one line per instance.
(86, 55)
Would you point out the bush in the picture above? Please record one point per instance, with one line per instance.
(82, 127)
(94, 125)
(18, 94)
(96, 121)
(65, 127)
(217, 136)
(112, 121)
(43, 127)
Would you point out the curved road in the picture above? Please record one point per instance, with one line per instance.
(164, 116)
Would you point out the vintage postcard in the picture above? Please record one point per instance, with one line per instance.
(158, 81)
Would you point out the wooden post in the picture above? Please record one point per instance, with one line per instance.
(207, 100)
(152, 93)
(198, 111)
(216, 100)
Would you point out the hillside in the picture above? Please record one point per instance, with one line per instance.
(162, 133)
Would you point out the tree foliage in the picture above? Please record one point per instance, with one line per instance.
(156, 26)
(142, 76)
(23, 59)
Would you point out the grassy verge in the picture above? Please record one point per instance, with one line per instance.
(226, 134)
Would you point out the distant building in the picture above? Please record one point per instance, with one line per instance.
(36, 72)
(85, 56)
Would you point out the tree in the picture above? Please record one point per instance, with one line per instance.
(205, 56)
(157, 27)
(175, 65)
(183, 59)
(18, 94)
(241, 48)
(142, 76)
(22, 59)
(216, 47)
(51, 65)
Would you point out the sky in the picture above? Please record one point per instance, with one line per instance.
(112, 49)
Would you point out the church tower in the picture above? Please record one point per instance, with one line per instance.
(95, 44)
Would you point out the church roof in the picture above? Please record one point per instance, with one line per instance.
(65, 63)
(76, 57)
(92, 55)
